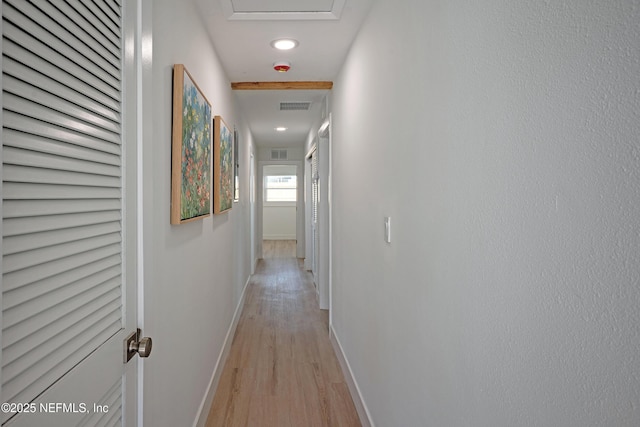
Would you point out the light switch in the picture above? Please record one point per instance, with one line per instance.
(387, 229)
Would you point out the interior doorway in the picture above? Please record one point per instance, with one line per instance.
(279, 206)
(318, 225)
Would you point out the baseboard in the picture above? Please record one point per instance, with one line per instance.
(205, 406)
(279, 237)
(356, 396)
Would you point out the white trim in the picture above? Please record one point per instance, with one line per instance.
(354, 390)
(300, 238)
(313, 148)
(144, 126)
(207, 401)
(232, 15)
(329, 131)
(323, 128)
(255, 264)
(279, 237)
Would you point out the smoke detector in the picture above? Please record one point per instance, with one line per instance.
(282, 67)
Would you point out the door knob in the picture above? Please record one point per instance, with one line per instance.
(134, 343)
(142, 347)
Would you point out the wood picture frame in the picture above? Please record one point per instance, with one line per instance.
(222, 167)
(190, 150)
(236, 167)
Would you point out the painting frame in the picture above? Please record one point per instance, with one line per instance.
(236, 169)
(223, 166)
(190, 150)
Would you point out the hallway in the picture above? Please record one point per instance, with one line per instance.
(282, 370)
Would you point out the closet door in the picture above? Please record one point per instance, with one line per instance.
(315, 183)
(64, 302)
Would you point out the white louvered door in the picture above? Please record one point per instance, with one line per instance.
(315, 183)
(68, 243)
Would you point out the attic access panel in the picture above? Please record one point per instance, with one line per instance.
(250, 6)
(282, 9)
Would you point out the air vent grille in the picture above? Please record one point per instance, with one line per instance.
(294, 106)
(279, 154)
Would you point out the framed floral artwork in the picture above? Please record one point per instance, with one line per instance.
(190, 150)
(223, 162)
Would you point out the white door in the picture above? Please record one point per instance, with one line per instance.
(69, 214)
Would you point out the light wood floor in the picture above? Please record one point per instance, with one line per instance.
(282, 370)
(278, 249)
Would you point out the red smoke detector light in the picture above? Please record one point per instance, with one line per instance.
(281, 67)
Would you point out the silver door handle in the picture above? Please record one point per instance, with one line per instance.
(134, 343)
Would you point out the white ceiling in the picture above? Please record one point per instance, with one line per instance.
(242, 32)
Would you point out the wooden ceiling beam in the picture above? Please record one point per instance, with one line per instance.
(309, 85)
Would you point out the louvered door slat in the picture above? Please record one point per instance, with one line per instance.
(43, 271)
(47, 113)
(42, 50)
(22, 243)
(108, 175)
(39, 144)
(29, 208)
(103, 34)
(112, 400)
(113, 14)
(45, 73)
(30, 331)
(29, 225)
(28, 191)
(26, 124)
(47, 84)
(95, 102)
(59, 38)
(100, 14)
(16, 173)
(115, 5)
(37, 302)
(73, 279)
(79, 32)
(87, 26)
(19, 387)
(60, 251)
(39, 96)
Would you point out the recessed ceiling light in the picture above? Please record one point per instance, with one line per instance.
(284, 44)
(281, 129)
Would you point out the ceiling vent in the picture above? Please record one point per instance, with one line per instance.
(295, 106)
(279, 154)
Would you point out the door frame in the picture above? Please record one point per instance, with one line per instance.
(142, 42)
(308, 208)
(300, 237)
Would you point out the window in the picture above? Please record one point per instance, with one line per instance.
(280, 188)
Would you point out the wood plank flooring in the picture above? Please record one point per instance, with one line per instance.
(278, 249)
(282, 370)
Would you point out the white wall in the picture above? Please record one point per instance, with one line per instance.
(502, 139)
(194, 273)
(279, 222)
